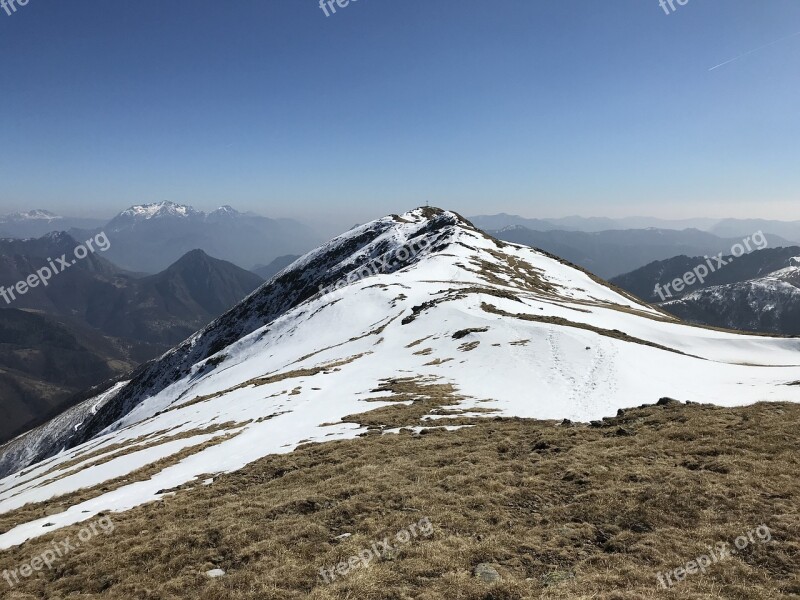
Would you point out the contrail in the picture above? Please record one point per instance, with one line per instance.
(727, 62)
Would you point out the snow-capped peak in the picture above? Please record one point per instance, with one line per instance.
(32, 215)
(226, 210)
(159, 209)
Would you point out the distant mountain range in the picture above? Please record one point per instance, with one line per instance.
(161, 309)
(36, 223)
(591, 224)
(724, 228)
(151, 237)
(755, 292)
(789, 230)
(611, 253)
(95, 321)
(148, 238)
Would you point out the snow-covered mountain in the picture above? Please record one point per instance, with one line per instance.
(37, 222)
(150, 237)
(758, 292)
(419, 309)
(170, 211)
(159, 210)
(770, 303)
(31, 215)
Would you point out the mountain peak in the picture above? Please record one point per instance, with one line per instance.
(59, 237)
(36, 214)
(226, 210)
(158, 210)
(192, 257)
(223, 213)
(434, 212)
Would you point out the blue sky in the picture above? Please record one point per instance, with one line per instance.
(523, 106)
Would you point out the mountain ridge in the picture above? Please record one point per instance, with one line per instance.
(411, 321)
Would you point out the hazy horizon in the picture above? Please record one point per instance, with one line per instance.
(333, 224)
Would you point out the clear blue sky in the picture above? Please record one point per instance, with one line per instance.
(543, 108)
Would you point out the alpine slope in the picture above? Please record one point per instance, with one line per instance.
(418, 309)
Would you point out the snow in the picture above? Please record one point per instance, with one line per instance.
(323, 357)
(31, 215)
(145, 212)
(159, 209)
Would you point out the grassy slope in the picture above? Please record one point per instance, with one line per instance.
(561, 511)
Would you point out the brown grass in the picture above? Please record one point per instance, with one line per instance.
(34, 511)
(560, 511)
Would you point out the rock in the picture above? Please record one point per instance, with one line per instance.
(623, 432)
(465, 332)
(214, 573)
(486, 573)
(667, 402)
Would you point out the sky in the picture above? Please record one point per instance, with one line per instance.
(532, 107)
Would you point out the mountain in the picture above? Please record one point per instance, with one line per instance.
(611, 253)
(267, 272)
(168, 307)
(159, 310)
(789, 230)
(504, 220)
(407, 323)
(94, 322)
(36, 223)
(768, 304)
(45, 363)
(643, 281)
(148, 238)
(67, 285)
(755, 292)
(593, 224)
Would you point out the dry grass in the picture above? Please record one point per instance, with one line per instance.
(425, 395)
(561, 511)
(34, 511)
